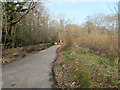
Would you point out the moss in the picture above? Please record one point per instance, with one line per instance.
(61, 63)
(23, 55)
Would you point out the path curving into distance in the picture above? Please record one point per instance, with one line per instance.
(30, 72)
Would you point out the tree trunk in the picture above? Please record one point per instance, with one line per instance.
(119, 41)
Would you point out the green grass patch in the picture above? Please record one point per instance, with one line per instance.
(87, 69)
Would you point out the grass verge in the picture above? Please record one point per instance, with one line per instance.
(79, 67)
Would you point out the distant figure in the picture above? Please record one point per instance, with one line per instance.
(60, 42)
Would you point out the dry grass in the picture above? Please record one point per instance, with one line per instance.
(68, 38)
(97, 41)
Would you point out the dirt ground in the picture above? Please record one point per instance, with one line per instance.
(10, 55)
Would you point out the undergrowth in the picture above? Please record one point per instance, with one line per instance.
(84, 68)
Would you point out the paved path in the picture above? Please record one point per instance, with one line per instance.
(31, 71)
